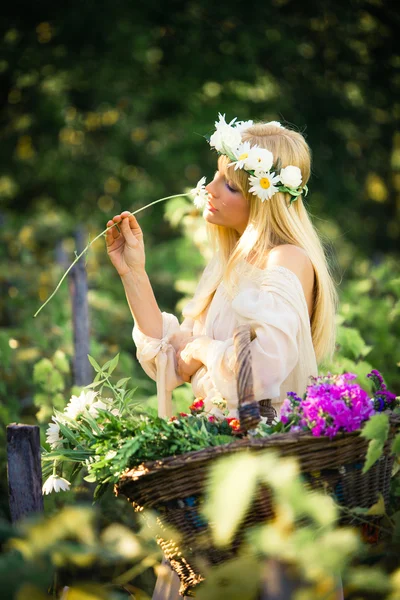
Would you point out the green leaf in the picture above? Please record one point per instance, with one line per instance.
(94, 364)
(234, 477)
(122, 382)
(95, 383)
(91, 478)
(113, 364)
(374, 452)
(376, 428)
(351, 342)
(378, 508)
(396, 444)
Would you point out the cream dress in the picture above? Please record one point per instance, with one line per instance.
(283, 358)
(272, 301)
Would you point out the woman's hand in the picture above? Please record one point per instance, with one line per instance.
(191, 356)
(125, 247)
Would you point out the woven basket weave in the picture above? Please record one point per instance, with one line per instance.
(174, 486)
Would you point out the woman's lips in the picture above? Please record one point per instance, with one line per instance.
(211, 207)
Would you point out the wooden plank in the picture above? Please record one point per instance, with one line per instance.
(82, 369)
(24, 470)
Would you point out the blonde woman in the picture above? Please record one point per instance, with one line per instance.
(268, 269)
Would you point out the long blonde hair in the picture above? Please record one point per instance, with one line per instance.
(275, 222)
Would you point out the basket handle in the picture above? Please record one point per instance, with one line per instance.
(249, 408)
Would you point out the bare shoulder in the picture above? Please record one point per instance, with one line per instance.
(296, 259)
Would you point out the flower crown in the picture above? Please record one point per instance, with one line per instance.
(258, 162)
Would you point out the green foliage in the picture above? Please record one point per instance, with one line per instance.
(376, 429)
(49, 553)
(51, 379)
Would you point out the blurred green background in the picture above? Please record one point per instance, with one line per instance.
(103, 109)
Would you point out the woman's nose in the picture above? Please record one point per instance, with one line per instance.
(210, 188)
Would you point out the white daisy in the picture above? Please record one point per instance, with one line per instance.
(263, 185)
(56, 484)
(53, 437)
(78, 404)
(199, 193)
(93, 408)
(259, 159)
(242, 154)
(291, 176)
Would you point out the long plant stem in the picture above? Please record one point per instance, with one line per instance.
(92, 242)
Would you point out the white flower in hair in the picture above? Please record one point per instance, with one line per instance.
(200, 194)
(259, 159)
(226, 137)
(242, 125)
(291, 176)
(242, 155)
(276, 123)
(263, 184)
(56, 483)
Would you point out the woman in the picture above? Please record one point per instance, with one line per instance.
(268, 269)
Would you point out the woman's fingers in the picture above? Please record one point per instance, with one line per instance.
(128, 233)
(112, 233)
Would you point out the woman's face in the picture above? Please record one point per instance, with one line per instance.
(226, 205)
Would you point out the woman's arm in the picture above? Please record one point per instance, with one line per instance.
(143, 304)
(125, 248)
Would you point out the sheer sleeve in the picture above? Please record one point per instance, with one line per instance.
(274, 351)
(149, 350)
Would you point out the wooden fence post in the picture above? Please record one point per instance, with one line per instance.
(82, 368)
(24, 470)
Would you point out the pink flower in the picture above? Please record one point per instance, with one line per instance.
(212, 419)
(331, 404)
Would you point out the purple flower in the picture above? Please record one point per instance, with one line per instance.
(332, 404)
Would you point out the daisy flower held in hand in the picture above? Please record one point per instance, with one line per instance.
(56, 484)
(199, 193)
(263, 185)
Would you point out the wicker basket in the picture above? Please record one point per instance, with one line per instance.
(174, 486)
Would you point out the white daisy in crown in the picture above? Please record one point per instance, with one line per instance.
(263, 184)
(257, 162)
(242, 155)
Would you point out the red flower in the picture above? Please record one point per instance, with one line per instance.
(172, 419)
(234, 424)
(212, 419)
(183, 415)
(197, 406)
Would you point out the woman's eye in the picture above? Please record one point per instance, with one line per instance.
(230, 188)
